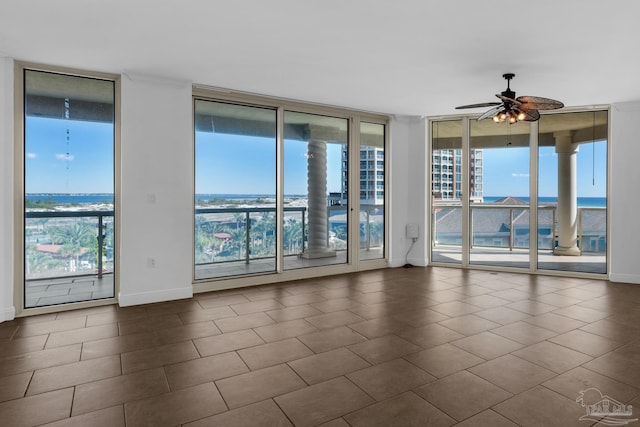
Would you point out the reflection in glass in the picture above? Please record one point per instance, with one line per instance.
(235, 190)
(68, 188)
(315, 226)
(572, 188)
(372, 187)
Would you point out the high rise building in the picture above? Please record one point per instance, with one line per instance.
(446, 175)
(371, 175)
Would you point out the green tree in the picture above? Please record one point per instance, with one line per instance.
(76, 240)
(292, 236)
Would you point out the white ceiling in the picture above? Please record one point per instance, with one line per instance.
(415, 57)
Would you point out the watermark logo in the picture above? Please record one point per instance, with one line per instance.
(604, 409)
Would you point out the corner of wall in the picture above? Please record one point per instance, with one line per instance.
(408, 171)
(7, 309)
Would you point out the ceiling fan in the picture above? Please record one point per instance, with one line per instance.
(512, 109)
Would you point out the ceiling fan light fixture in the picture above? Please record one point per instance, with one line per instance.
(512, 109)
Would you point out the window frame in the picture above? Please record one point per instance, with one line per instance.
(19, 185)
(281, 105)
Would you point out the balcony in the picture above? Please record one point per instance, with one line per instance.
(500, 236)
(69, 254)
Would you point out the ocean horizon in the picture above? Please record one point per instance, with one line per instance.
(92, 198)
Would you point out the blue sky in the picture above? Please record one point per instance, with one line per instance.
(223, 161)
(246, 165)
(88, 167)
(506, 171)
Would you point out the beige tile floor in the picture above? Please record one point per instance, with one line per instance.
(395, 347)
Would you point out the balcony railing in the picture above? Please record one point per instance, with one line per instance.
(507, 226)
(75, 243)
(68, 243)
(238, 234)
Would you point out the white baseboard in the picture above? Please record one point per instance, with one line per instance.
(125, 300)
(393, 263)
(7, 313)
(418, 262)
(624, 278)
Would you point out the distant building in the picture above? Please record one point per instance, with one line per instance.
(371, 175)
(446, 175)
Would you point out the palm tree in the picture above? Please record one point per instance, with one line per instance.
(264, 227)
(292, 235)
(76, 240)
(40, 262)
(238, 239)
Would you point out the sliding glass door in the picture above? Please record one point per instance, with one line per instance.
(314, 202)
(572, 188)
(276, 191)
(546, 179)
(235, 189)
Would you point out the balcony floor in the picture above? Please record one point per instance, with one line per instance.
(266, 265)
(39, 293)
(519, 258)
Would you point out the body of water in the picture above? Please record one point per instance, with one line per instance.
(71, 199)
(92, 198)
(583, 202)
(79, 199)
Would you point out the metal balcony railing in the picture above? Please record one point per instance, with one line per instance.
(68, 243)
(76, 243)
(229, 220)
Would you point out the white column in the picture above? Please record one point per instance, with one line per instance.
(567, 194)
(317, 245)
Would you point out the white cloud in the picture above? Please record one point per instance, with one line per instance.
(64, 157)
(520, 175)
(31, 155)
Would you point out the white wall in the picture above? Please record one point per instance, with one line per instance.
(7, 310)
(624, 200)
(408, 191)
(156, 197)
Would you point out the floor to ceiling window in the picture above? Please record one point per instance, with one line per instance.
(313, 170)
(372, 190)
(275, 189)
(68, 187)
(446, 191)
(499, 193)
(546, 179)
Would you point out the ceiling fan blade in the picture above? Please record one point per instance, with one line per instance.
(482, 105)
(531, 115)
(509, 100)
(538, 103)
(492, 112)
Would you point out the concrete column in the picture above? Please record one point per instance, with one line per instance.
(567, 194)
(317, 245)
